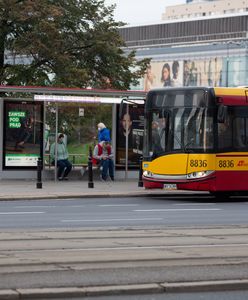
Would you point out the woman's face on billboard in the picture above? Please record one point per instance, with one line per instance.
(126, 122)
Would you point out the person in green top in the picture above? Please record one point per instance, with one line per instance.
(64, 165)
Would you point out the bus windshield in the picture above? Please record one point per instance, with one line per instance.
(178, 121)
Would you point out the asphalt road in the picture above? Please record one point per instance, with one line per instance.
(122, 241)
(230, 295)
(146, 211)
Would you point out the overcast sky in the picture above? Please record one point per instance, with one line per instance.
(136, 12)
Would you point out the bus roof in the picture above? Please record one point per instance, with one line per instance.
(232, 96)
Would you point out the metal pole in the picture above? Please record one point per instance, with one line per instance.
(56, 144)
(39, 174)
(127, 134)
(114, 122)
(227, 64)
(140, 183)
(44, 130)
(90, 171)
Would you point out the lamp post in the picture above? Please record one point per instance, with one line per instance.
(227, 63)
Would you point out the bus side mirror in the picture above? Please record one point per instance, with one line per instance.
(222, 113)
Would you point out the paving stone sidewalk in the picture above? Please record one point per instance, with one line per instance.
(26, 189)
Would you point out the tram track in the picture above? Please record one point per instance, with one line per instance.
(84, 246)
(66, 258)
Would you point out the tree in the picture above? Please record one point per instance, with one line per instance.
(66, 43)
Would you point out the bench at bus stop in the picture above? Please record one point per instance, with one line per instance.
(82, 168)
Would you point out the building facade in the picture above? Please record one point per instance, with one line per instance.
(205, 8)
(206, 51)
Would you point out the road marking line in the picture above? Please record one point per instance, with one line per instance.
(177, 209)
(22, 212)
(182, 204)
(112, 205)
(164, 247)
(111, 220)
(46, 206)
(136, 248)
(35, 206)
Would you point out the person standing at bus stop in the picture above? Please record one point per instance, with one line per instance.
(63, 163)
(103, 133)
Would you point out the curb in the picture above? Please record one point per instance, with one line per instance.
(100, 195)
(206, 286)
(73, 196)
(132, 289)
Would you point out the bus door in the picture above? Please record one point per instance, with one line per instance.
(198, 139)
(232, 157)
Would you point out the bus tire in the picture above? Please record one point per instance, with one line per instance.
(221, 195)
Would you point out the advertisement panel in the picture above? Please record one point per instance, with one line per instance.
(194, 72)
(163, 74)
(204, 72)
(23, 134)
(134, 121)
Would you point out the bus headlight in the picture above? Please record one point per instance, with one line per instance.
(147, 174)
(197, 175)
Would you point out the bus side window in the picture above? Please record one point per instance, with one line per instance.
(225, 134)
(241, 132)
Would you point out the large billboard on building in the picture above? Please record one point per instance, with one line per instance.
(23, 134)
(163, 74)
(216, 71)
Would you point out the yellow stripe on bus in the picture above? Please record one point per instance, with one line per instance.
(230, 91)
(180, 164)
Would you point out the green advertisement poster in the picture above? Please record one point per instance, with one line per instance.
(23, 134)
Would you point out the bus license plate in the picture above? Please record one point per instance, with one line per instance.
(170, 186)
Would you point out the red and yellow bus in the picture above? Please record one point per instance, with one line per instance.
(197, 138)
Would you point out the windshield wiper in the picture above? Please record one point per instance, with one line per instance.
(184, 146)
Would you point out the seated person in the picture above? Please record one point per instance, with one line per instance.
(156, 142)
(64, 165)
(103, 155)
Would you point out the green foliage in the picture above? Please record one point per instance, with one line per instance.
(78, 154)
(79, 129)
(72, 43)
